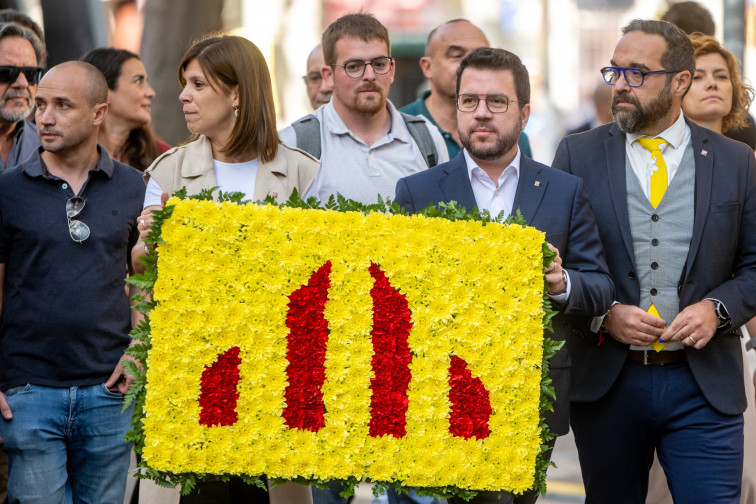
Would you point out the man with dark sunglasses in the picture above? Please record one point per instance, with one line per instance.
(21, 54)
(68, 221)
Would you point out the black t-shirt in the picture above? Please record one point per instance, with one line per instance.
(65, 311)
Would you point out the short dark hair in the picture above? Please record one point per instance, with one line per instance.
(491, 58)
(361, 25)
(678, 54)
(690, 17)
(228, 61)
(16, 30)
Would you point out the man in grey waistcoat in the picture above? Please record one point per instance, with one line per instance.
(676, 210)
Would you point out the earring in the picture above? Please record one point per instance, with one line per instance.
(236, 110)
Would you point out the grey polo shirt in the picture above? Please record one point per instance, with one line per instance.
(348, 166)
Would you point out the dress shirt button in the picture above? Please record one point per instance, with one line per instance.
(654, 242)
(654, 217)
(64, 186)
(654, 265)
(654, 292)
(631, 275)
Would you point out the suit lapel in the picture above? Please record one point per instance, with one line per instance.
(699, 138)
(616, 164)
(455, 185)
(271, 179)
(530, 189)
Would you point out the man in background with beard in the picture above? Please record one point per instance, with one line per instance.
(493, 103)
(364, 144)
(21, 54)
(676, 210)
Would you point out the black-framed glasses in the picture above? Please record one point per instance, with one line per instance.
(496, 103)
(356, 68)
(9, 73)
(77, 229)
(633, 76)
(312, 78)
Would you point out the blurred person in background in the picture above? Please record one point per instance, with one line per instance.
(601, 99)
(21, 57)
(718, 100)
(319, 91)
(228, 106)
(446, 47)
(126, 133)
(692, 17)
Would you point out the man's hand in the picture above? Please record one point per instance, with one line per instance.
(694, 326)
(629, 324)
(553, 272)
(5, 410)
(120, 379)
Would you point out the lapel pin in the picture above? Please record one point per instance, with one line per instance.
(704, 152)
(537, 183)
(275, 194)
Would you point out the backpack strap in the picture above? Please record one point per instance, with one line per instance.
(418, 129)
(307, 130)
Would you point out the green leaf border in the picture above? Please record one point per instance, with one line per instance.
(144, 304)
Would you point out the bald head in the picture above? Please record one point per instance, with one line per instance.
(318, 90)
(80, 77)
(447, 45)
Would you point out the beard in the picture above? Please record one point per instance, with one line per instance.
(639, 118)
(15, 114)
(64, 143)
(504, 141)
(369, 107)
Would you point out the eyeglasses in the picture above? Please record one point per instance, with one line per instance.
(312, 78)
(633, 76)
(77, 229)
(496, 103)
(9, 73)
(356, 68)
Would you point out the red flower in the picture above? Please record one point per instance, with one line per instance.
(471, 406)
(218, 394)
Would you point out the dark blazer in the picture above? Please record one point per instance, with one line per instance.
(556, 204)
(721, 260)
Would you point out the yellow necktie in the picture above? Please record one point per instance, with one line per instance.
(659, 177)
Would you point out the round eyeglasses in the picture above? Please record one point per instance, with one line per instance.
(356, 68)
(633, 76)
(496, 103)
(77, 229)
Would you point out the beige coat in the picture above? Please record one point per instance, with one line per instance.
(191, 166)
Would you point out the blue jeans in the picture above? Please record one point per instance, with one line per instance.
(60, 435)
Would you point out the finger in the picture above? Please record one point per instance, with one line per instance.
(164, 197)
(5, 410)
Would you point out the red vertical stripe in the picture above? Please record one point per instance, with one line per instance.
(471, 407)
(306, 349)
(218, 394)
(392, 323)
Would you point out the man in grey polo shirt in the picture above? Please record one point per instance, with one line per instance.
(366, 145)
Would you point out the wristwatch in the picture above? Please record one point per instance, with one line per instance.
(721, 311)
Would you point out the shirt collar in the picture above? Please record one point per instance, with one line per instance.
(335, 124)
(672, 135)
(514, 166)
(35, 167)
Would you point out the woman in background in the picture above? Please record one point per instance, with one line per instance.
(718, 99)
(125, 133)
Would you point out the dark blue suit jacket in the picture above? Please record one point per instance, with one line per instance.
(556, 204)
(721, 260)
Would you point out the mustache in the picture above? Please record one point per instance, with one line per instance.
(16, 93)
(482, 124)
(624, 96)
(49, 131)
(368, 86)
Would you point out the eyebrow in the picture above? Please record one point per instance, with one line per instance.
(639, 66)
(453, 48)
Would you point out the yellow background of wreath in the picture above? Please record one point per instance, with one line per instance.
(225, 274)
